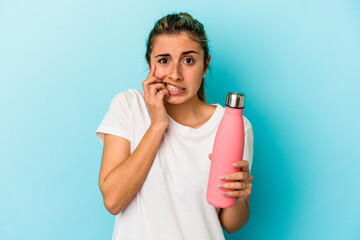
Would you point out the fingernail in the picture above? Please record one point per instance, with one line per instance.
(220, 185)
(235, 164)
(222, 177)
(225, 193)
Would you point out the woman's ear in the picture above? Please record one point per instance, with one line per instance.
(207, 63)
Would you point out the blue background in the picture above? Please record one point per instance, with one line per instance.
(61, 63)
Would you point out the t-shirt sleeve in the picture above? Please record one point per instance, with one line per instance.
(117, 119)
(248, 146)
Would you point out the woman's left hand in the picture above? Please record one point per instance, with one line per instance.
(242, 188)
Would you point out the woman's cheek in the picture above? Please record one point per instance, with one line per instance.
(160, 72)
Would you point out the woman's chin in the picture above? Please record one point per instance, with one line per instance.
(174, 99)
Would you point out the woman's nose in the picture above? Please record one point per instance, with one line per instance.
(175, 72)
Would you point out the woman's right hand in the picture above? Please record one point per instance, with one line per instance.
(154, 95)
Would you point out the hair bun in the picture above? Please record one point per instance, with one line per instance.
(183, 14)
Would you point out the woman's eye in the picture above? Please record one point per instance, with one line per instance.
(160, 61)
(191, 60)
(188, 60)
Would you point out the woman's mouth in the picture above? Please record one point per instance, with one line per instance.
(174, 90)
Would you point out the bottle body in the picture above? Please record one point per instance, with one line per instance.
(228, 148)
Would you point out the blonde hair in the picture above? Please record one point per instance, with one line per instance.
(174, 24)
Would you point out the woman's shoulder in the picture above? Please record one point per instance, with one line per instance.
(128, 95)
(132, 100)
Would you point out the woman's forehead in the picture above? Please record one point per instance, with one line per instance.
(174, 43)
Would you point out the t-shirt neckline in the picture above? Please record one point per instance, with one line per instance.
(182, 129)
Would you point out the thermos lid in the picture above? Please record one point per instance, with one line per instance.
(235, 100)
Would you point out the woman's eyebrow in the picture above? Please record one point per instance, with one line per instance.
(167, 54)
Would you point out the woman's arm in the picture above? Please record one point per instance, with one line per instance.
(122, 174)
(234, 218)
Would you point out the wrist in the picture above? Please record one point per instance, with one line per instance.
(243, 202)
(158, 127)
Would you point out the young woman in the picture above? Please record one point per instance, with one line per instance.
(157, 143)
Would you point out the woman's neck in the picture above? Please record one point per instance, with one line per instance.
(190, 113)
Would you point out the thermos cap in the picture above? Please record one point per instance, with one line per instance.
(235, 100)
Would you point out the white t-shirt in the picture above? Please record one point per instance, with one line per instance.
(171, 204)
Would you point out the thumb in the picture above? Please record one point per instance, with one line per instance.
(210, 156)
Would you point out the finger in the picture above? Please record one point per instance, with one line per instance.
(150, 78)
(236, 176)
(146, 83)
(148, 94)
(244, 169)
(158, 90)
(210, 155)
(234, 185)
(238, 194)
(163, 92)
(250, 178)
(241, 164)
(152, 71)
(155, 87)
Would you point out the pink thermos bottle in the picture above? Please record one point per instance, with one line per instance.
(228, 148)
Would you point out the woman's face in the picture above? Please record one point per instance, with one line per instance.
(179, 62)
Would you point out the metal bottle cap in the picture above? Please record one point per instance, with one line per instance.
(235, 100)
